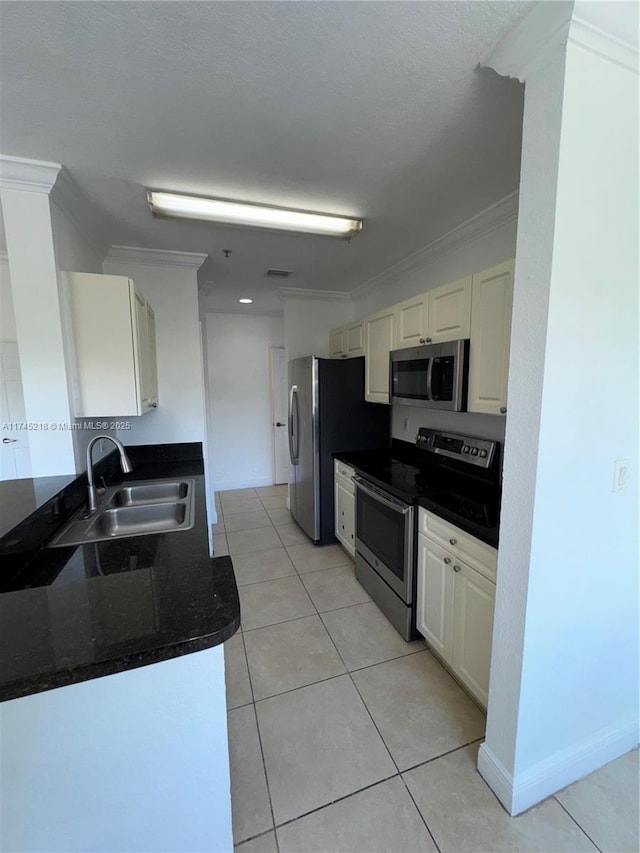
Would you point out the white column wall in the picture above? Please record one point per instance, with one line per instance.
(564, 681)
(36, 304)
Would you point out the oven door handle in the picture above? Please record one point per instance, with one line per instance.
(376, 494)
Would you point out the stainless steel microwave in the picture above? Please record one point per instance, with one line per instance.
(434, 376)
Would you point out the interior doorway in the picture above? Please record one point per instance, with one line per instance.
(278, 369)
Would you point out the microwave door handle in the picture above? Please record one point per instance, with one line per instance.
(429, 378)
(396, 506)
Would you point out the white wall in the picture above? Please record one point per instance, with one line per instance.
(135, 761)
(39, 326)
(172, 293)
(483, 426)
(8, 332)
(564, 681)
(307, 322)
(241, 443)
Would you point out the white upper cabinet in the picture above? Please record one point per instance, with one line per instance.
(114, 347)
(347, 341)
(491, 306)
(441, 314)
(355, 339)
(412, 322)
(450, 311)
(379, 341)
(337, 343)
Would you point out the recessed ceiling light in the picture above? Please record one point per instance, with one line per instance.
(256, 215)
(245, 301)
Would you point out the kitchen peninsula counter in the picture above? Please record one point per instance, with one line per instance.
(77, 613)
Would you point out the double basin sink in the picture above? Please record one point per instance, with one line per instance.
(133, 509)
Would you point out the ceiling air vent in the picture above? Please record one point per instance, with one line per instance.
(279, 273)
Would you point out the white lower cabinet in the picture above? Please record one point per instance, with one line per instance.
(454, 610)
(345, 505)
(473, 604)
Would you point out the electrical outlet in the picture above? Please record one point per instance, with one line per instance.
(620, 474)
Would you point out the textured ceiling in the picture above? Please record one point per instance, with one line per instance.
(368, 108)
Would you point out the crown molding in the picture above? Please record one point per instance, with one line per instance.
(33, 176)
(68, 196)
(492, 217)
(532, 37)
(155, 257)
(310, 293)
(594, 39)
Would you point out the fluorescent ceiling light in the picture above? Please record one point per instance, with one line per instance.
(258, 216)
(245, 301)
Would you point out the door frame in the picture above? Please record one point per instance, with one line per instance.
(272, 392)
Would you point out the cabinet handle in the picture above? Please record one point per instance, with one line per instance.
(447, 560)
(453, 541)
(427, 340)
(456, 568)
(344, 355)
(154, 405)
(503, 410)
(421, 340)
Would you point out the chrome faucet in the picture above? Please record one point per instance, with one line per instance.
(125, 464)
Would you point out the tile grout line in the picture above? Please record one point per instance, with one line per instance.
(331, 678)
(584, 831)
(264, 767)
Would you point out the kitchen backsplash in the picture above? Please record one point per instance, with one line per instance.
(470, 423)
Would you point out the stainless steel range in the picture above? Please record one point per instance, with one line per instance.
(457, 476)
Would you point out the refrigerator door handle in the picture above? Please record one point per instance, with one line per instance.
(293, 424)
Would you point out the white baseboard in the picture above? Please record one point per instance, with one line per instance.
(556, 772)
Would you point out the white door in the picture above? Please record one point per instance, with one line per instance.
(279, 403)
(15, 461)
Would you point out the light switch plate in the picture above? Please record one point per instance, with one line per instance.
(620, 474)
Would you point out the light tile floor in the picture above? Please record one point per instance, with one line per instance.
(344, 738)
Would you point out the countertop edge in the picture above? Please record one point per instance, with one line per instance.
(64, 678)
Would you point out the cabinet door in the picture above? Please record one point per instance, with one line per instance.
(450, 311)
(412, 321)
(344, 520)
(379, 337)
(152, 356)
(337, 343)
(474, 600)
(434, 610)
(355, 339)
(491, 304)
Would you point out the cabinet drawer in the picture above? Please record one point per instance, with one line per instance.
(342, 470)
(477, 554)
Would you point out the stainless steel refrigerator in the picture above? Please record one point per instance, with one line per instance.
(327, 414)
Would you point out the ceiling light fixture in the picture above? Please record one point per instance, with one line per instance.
(245, 301)
(256, 215)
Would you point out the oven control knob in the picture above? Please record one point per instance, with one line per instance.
(483, 454)
(453, 541)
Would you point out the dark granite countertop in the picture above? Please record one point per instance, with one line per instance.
(19, 499)
(469, 505)
(71, 614)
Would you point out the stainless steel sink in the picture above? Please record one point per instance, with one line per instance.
(149, 493)
(134, 509)
(129, 520)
